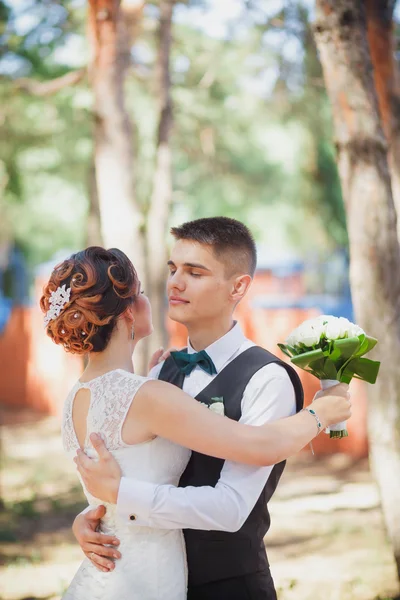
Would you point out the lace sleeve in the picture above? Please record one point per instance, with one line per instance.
(111, 398)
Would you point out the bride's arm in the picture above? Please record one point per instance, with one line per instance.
(170, 413)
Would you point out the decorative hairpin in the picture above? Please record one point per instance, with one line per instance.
(57, 301)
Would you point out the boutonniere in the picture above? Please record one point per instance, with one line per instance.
(217, 405)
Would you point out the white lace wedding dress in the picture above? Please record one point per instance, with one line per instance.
(153, 563)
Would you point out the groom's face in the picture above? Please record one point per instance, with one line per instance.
(198, 288)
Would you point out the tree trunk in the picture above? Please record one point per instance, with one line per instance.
(380, 29)
(121, 218)
(93, 233)
(157, 219)
(341, 35)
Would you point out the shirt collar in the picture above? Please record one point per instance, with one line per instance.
(224, 348)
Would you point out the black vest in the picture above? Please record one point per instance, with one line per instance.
(217, 555)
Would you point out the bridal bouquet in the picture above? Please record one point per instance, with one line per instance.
(332, 349)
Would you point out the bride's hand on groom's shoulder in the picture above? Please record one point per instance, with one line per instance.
(159, 356)
(92, 542)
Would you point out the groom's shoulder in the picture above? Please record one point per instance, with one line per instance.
(262, 354)
(279, 371)
(271, 366)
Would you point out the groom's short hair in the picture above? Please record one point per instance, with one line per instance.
(231, 241)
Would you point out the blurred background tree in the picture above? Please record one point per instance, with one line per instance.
(382, 44)
(362, 107)
(88, 128)
(251, 132)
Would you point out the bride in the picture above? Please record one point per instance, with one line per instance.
(93, 301)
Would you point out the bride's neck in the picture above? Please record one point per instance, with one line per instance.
(117, 355)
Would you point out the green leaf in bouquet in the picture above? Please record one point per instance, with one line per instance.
(372, 342)
(345, 377)
(303, 360)
(333, 353)
(303, 348)
(362, 368)
(367, 343)
(347, 347)
(316, 367)
(285, 350)
(329, 369)
(317, 374)
(291, 349)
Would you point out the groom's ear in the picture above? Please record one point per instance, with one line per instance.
(240, 285)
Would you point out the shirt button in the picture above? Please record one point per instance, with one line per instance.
(132, 517)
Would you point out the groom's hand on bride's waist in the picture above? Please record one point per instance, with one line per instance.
(101, 477)
(92, 542)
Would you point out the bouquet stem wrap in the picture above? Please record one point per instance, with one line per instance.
(338, 430)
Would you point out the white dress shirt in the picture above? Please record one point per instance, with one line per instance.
(268, 396)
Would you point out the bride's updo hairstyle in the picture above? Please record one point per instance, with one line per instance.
(103, 285)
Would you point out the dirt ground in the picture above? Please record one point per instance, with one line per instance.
(327, 540)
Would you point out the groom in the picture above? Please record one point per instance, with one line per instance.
(221, 506)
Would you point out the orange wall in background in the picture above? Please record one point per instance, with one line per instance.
(34, 372)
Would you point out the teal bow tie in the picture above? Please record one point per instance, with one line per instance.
(187, 362)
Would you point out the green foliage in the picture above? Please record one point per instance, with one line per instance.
(46, 141)
(241, 147)
(223, 163)
(302, 98)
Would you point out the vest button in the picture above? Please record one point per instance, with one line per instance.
(132, 517)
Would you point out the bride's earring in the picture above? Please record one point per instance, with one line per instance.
(132, 333)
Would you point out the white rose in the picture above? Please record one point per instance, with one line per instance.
(338, 328)
(345, 326)
(323, 318)
(291, 340)
(318, 324)
(334, 329)
(308, 333)
(354, 330)
(218, 407)
(294, 338)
